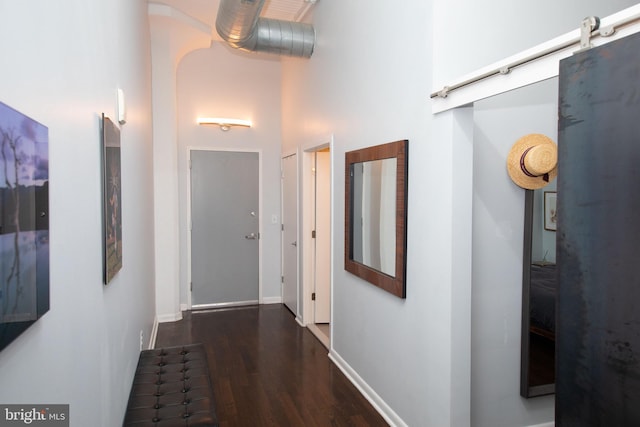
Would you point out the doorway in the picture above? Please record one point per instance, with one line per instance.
(289, 229)
(317, 265)
(322, 248)
(224, 228)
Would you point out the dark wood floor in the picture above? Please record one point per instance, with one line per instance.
(268, 371)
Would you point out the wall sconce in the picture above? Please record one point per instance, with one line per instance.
(122, 110)
(224, 123)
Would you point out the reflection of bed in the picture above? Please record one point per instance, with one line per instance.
(542, 300)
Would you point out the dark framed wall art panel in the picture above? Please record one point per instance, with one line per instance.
(112, 199)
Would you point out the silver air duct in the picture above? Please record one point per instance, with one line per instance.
(240, 25)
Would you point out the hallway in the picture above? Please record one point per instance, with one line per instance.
(268, 371)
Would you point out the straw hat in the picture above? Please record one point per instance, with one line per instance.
(533, 161)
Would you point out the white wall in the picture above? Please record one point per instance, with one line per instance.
(368, 82)
(173, 35)
(469, 35)
(464, 42)
(62, 63)
(223, 82)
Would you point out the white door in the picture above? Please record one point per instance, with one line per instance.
(323, 237)
(290, 233)
(224, 228)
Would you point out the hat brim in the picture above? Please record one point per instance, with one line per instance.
(513, 162)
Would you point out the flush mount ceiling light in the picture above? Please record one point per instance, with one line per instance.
(224, 123)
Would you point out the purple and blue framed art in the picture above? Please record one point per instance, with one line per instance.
(24, 223)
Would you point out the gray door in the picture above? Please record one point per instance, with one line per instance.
(290, 233)
(224, 228)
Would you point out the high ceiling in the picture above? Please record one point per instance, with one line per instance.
(205, 10)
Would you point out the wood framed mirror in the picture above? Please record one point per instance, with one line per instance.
(376, 215)
(539, 279)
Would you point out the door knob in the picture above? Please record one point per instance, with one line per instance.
(294, 243)
(251, 236)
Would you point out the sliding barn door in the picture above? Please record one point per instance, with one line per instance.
(598, 308)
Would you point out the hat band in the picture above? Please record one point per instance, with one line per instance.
(545, 177)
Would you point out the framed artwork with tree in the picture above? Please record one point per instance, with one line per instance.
(24, 223)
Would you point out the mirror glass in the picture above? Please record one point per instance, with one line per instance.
(539, 293)
(373, 223)
(375, 215)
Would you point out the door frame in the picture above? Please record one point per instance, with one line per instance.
(189, 218)
(307, 208)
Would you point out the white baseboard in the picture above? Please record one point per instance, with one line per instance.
(184, 307)
(376, 401)
(550, 424)
(271, 300)
(154, 334)
(300, 322)
(171, 317)
(318, 334)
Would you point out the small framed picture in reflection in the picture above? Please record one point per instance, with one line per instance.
(550, 211)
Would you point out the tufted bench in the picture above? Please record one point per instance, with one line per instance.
(171, 387)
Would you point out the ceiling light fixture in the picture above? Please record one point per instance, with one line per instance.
(224, 123)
